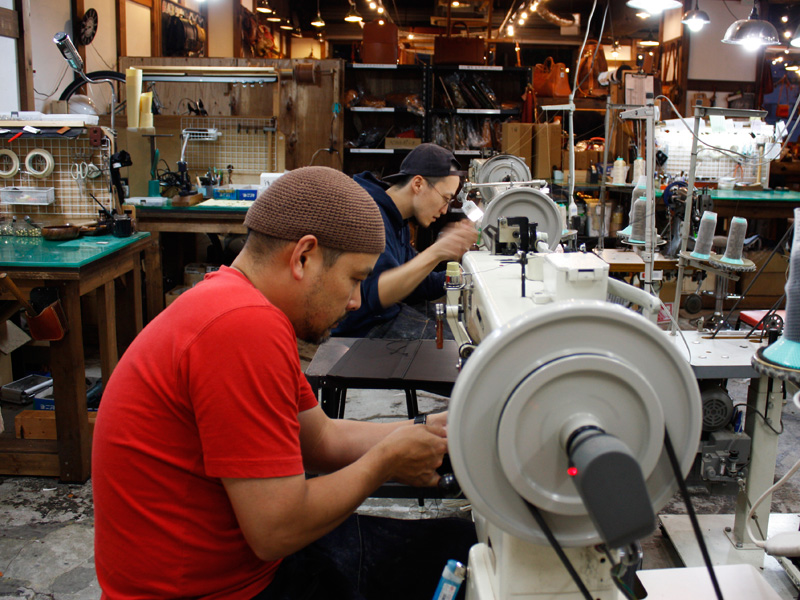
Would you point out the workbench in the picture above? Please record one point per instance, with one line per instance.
(76, 267)
(189, 219)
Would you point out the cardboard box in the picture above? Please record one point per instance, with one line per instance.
(518, 140)
(41, 424)
(583, 160)
(194, 273)
(772, 280)
(173, 294)
(402, 142)
(546, 150)
(581, 176)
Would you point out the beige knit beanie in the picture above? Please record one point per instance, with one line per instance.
(322, 202)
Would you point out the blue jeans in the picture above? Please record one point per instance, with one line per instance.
(374, 558)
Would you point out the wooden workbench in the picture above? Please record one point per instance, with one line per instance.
(75, 267)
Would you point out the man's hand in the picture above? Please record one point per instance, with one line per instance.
(416, 452)
(454, 240)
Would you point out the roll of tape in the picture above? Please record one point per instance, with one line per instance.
(49, 163)
(14, 163)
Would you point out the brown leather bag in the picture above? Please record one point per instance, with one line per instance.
(550, 79)
(589, 68)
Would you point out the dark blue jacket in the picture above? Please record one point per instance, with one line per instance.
(398, 251)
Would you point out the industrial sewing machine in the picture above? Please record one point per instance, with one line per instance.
(559, 418)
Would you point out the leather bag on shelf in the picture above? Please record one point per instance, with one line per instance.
(592, 63)
(550, 79)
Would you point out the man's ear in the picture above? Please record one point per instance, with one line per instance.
(303, 249)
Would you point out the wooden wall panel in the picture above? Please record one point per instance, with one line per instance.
(305, 110)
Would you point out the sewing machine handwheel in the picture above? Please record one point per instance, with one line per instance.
(448, 484)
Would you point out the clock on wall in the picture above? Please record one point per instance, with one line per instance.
(88, 27)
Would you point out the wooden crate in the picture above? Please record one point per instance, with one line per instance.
(41, 424)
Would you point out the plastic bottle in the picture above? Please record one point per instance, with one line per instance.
(451, 580)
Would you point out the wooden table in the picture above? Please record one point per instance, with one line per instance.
(191, 219)
(767, 204)
(75, 267)
(627, 261)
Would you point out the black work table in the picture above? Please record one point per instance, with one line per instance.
(409, 365)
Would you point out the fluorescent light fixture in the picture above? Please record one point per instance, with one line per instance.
(654, 7)
(695, 19)
(752, 32)
(352, 15)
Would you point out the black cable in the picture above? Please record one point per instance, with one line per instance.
(559, 550)
(597, 48)
(764, 417)
(772, 311)
(676, 468)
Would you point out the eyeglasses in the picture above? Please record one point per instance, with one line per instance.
(448, 200)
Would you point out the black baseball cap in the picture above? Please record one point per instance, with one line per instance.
(428, 160)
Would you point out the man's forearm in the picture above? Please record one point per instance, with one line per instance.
(395, 285)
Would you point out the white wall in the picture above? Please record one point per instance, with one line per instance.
(672, 27)
(137, 26)
(305, 48)
(101, 54)
(48, 17)
(9, 99)
(709, 58)
(220, 28)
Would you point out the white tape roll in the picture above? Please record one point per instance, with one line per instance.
(49, 163)
(14, 163)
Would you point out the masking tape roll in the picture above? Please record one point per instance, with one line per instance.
(49, 163)
(14, 163)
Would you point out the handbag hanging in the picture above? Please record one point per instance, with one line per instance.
(559, 80)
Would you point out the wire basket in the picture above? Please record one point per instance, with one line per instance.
(201, 134)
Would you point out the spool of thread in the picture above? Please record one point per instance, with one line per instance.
(705, 235)
(133, 91)
(618, 172)
(638, 169)
(638, 225)
(146, 110)
(786, 351)
(733, 249)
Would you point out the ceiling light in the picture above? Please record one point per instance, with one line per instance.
(521, 21)
(263, 7)
(784, 19)
(380, 10)
(411, 36)
(654, 7)
(649, 40)
(455, 4)
(274, 18)
(318, 22)
(752, 32)
(524, 15)
(510, 30)
(286, 25)
(373, 5)
(695, 19)
(795, 41)
(352, 15)
(534, 5)
(643, 14)
(793, 68)
(381, 21)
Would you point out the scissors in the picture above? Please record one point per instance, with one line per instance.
(79, 170)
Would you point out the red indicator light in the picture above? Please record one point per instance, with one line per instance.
(572, 471)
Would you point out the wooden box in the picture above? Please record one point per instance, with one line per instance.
(41, 424)
(402, 142)
(546, 150)
(458, 51)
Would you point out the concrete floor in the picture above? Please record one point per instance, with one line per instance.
(46, 528)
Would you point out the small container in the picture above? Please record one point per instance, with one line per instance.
(39, 196)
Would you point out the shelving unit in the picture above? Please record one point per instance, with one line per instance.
(378, 81)
(506, 84)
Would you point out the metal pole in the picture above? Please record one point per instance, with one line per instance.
(602, 240)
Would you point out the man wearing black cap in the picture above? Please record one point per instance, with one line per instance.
(426, 185)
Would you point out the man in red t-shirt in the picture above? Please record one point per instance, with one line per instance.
(208, 426)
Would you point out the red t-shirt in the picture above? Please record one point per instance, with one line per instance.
(211, 388)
